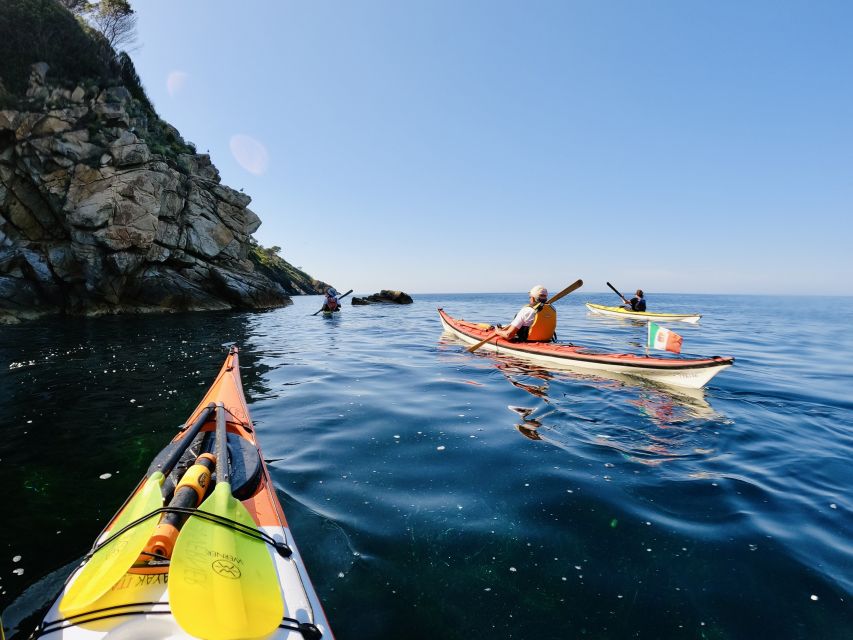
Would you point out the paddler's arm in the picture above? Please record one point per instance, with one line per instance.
(507, 333)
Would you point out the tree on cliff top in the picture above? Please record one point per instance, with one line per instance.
(116, 21)
(78, 39)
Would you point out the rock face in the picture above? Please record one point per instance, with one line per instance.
(96, 216)
(385, 296)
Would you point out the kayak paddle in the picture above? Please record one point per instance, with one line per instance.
(473, 348)
(618, 294)
(577, 284)
(339, 299)
(111, 561)
(223, 583)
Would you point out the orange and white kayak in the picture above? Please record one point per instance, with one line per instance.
(691, 373)
(169, 567)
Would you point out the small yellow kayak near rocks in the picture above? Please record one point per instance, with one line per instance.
(620, 312)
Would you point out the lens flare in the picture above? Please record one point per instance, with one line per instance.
(175, 82)
(250, 154)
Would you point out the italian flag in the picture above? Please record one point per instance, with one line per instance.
(661, 338)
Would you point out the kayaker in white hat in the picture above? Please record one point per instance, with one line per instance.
(534, 322)
(331, 303)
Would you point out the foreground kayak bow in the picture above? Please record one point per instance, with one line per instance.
(235, 571)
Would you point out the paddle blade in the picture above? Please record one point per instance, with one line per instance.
(111, 562)
(577, 284)
(223, 584)
(474, 347)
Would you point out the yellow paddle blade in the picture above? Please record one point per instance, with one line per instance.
(111, 562)
(223, 584)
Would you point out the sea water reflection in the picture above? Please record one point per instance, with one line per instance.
(671, 416)
(422, 508)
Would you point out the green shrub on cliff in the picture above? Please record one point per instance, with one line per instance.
(57, 32)
(44, 31)
(277, 269)
(131, 80)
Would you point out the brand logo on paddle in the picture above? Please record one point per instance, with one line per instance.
(118, 546)
(226, 569)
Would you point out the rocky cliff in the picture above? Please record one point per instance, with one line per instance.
(106, 209)
(386, 296)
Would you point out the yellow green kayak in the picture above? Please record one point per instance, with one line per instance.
(620, 312)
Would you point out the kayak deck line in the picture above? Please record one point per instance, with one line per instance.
(692, 373)
(307, 630)
(140, 603)
(621, 312)
(282, 548)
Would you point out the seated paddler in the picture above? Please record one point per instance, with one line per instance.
(331, 303)
(637, 303)
(535, 322)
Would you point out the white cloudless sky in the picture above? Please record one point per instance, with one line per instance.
(475, 146)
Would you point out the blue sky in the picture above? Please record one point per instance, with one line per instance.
(468, 146)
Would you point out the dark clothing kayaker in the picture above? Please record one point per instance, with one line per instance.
(534, 322)
(637, 303)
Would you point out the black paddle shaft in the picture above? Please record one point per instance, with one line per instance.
(223, 473)
(181, 445)
(339, 299)
(617, 292)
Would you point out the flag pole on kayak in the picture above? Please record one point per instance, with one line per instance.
(111, 560)
(242, 580)
(339, 299)
(577, 284)
(618, 294)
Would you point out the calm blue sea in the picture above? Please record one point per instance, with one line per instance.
(440, 494)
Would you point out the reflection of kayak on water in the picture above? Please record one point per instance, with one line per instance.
(673, 439)
(656, 400)
(666, 406)
(690, 400)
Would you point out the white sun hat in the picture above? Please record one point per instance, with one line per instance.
(539, 292)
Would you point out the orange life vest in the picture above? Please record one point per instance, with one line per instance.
(544, 324)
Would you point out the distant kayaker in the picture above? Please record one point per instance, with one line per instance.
(637, 303)
(535, 321)
(331, 303)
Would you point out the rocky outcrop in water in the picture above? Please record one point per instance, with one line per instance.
(385, 296)
(101, 211)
